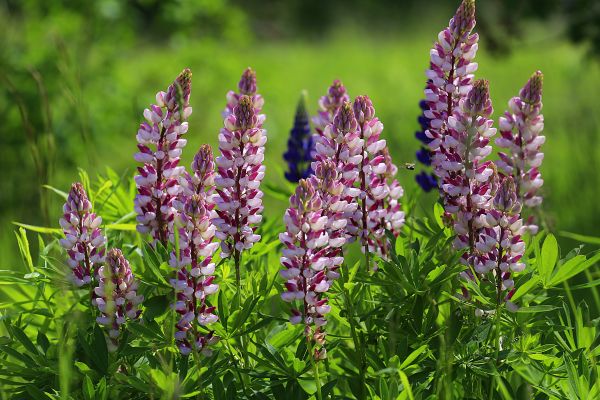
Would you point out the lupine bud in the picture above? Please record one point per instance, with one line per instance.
(450, 78)
(521, 133)
(307, 266)
(300, 144)
(329, 105)
(115, 296)
(160, 143)
(194, 279)
(247, 87)
(84, 241)
(247, 83)
(478, 100)
(240, 171)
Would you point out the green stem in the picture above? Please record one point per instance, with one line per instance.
(315, 365)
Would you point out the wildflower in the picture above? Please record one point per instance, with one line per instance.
(520, 130)
(194, 279)
(300, 145)
(240, 171)
(426, 180)
(450, 76)
(375, 169)
(465, 177)
(160, 143)
(84, 241)
(499, 244)
(306, 261)
(115, 296)
(329, 105)
(246, 87)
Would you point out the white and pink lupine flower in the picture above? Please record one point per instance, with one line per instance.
(115, 296)
(308, 265)
(329, 105)
(450, 76)
(160, 143)
(378, 204)
(83, 241)
(240, 171)
(521, 134)
(466, 177)
(194, 278)
(499, 244)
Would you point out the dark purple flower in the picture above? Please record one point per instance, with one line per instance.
(300, 144)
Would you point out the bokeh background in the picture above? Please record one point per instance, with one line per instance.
(76, 75)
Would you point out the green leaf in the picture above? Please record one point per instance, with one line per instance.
(537, 309)
(580, 238)
(572, 267)
(59, 192)
(525, 288)
(100, 350)
(121, 227)
(549, 257)
(39, 229)
(155, 307)
(88, 388)
(413, 356)
(25, 341)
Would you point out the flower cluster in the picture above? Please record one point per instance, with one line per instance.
(240, 171)
(300, 143)
(465, 178)
(115, 296)
(194, 277)
(499, 246)
(450, 77)
(160, 143)
(520, 129)
(329, 105)
(426, 180)
(307, 264)
(375, 170)
(83, 241)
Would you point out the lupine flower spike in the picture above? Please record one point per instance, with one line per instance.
(240, 171)
(194, 280)
(465, 175)
(160, 142)
(115, 296)
(305, 259)
(450, 76)
(373, 181)
(298, 155)
(521, 134)
(426, 180)
(500, 245)
(84, 241)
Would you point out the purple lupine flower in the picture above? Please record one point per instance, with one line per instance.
(306, 262)
(499, 246)
(194, 279)
(464, 173)
(450, 76)
(84, 241)
(240, 171)
(426, 180)
(300, 144)
(375, 170)
(520, 130)
(160, 142)
(115, 296)
(329, 105)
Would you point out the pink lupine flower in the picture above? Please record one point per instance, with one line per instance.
(329, 105)
(307, 264)
(375, 170)
(194, 279)
(450, 76)
(115, 296)
(84, 241)
(465, 175)
(160, 143)
(521, 134)
(240, 171)
(499, 245)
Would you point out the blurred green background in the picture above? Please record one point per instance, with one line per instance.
(76, 75)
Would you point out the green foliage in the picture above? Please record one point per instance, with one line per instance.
(401, 332)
